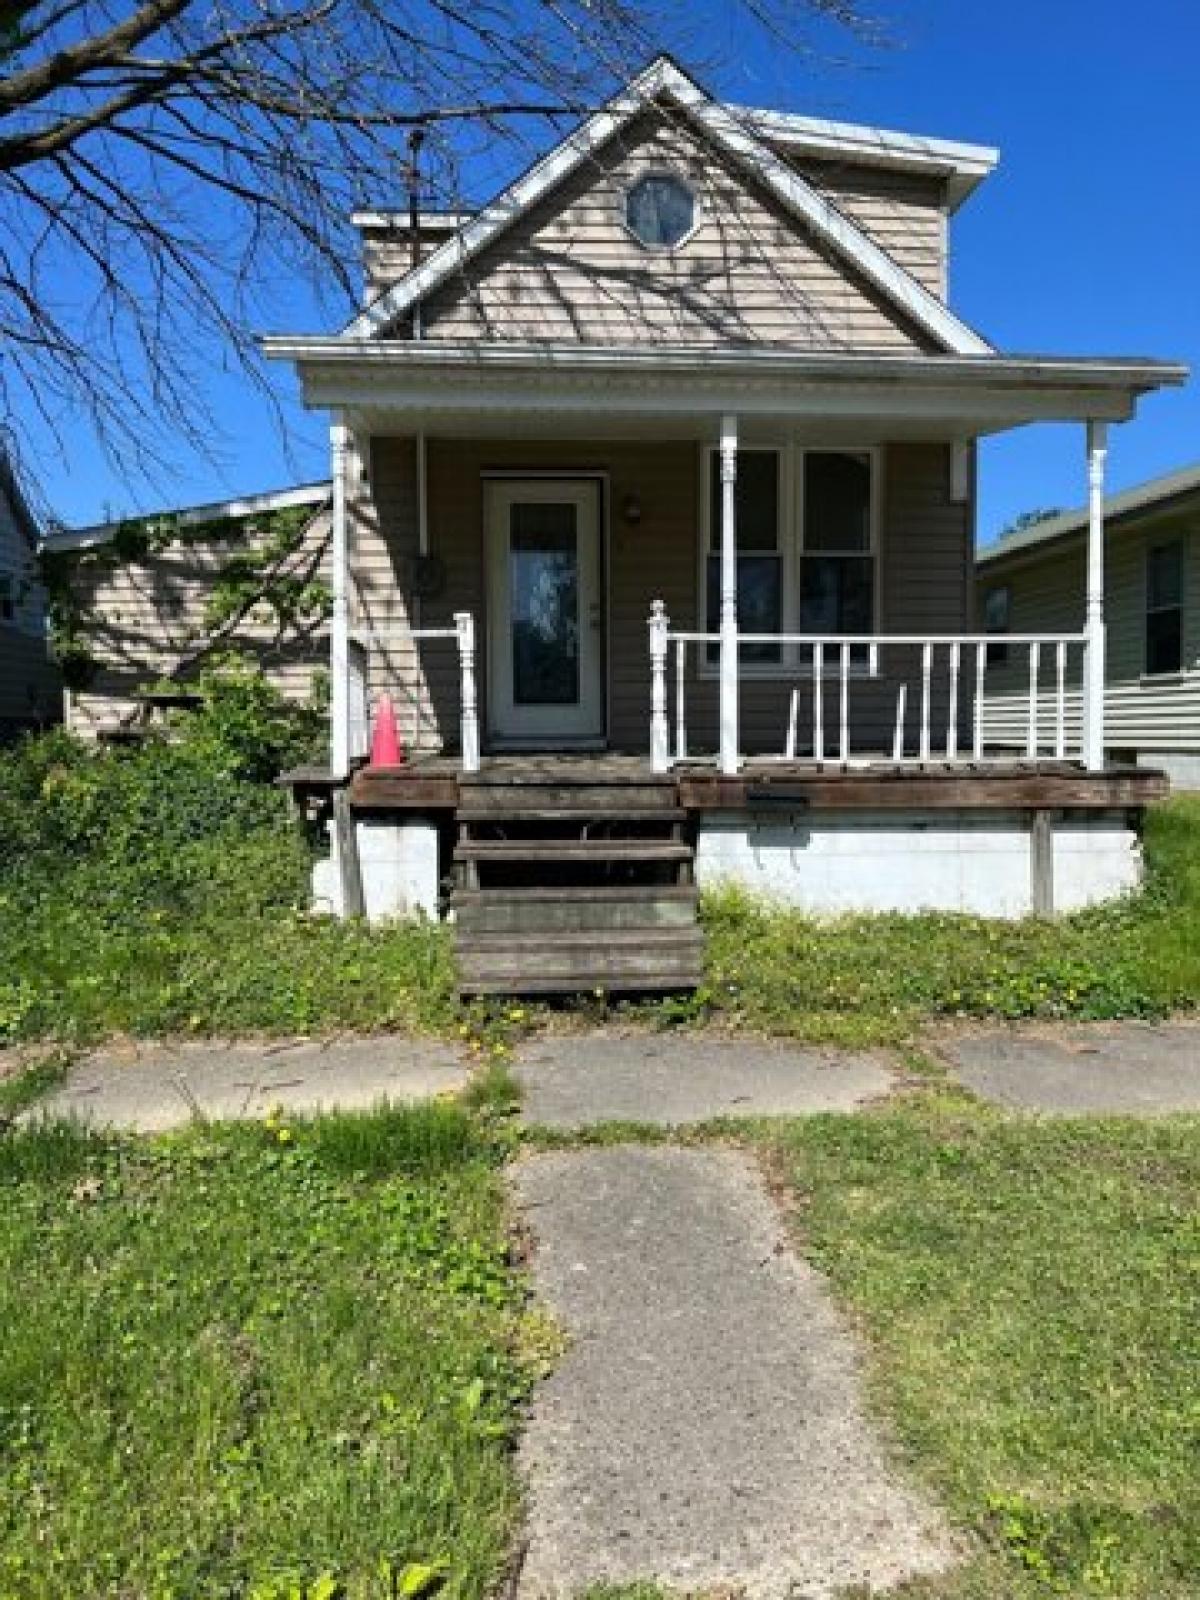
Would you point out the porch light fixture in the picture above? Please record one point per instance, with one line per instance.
(631, 509)
(660, 210)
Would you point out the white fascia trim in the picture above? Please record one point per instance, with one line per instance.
(249, 506)
(798, 196)
(964, 166)
(1102, 371)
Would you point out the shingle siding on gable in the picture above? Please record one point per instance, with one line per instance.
(749, 274)
(903, 212)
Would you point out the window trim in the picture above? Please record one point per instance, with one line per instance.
(1151, 546)
(659, 171)
(795, 661)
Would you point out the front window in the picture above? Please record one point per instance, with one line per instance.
(1164, 607)
(660, 210)
(806, 549)
(837, 564)
(757, 505)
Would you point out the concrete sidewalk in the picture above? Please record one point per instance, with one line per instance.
(149, 1088)
(1130, 1068)
(669, 1080)
(706, 1428)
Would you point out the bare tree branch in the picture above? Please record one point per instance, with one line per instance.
(172, 170)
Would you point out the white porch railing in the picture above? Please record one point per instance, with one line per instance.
(941, 678)
(463, 634)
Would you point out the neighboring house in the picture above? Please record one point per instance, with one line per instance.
(1032, 581)
(30, 691)
(157, 597)
(654, 490)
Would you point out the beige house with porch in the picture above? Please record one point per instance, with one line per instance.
(657, 474)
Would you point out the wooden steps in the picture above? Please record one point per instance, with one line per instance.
(564, 886)
(578, 850)
(633, 959)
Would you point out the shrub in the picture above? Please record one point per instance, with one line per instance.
(247, 728)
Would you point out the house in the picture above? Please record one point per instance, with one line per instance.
(151, 598)
(30, 692)
(1031, 581)
(653, 511)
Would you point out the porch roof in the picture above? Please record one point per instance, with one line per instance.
(586, 388)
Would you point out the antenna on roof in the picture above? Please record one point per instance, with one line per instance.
(412, 177)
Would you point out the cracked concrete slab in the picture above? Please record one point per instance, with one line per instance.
(706, 1426)
(577, 1081)
(1131, 1068)
(149, 1088)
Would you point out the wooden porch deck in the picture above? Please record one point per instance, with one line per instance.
(437, 783)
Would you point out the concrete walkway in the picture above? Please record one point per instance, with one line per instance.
(705, 1428)
(1139, 1069)
(149, 1088)
(579, 1081)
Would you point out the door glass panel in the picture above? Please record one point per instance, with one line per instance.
(544, 598)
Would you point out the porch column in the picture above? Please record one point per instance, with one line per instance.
(339, 632)
(1094, 626)
(729, 626)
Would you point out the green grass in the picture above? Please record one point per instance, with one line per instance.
(245, 1360)
(868, 979)
(1029, 1290)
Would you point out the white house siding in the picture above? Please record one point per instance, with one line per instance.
(29, 687)
(143, 617)
(1144, 716)
(750, 272)
(924, 582)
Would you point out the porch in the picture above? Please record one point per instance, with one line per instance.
(789, 580)
(583, 871)
(656, 621)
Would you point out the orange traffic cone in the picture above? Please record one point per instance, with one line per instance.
(386, 749)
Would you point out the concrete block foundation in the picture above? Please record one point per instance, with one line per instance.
(979, 862)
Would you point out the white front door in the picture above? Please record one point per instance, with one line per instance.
(545, 613)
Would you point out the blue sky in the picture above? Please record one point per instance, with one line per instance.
(1085, 241)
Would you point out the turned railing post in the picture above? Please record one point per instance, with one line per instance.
(660, 737)
(464, 623)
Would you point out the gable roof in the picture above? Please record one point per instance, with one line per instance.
(730, 134)
(962, 166)
(1156, 494)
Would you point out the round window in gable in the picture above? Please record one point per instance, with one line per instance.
(660, 210)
